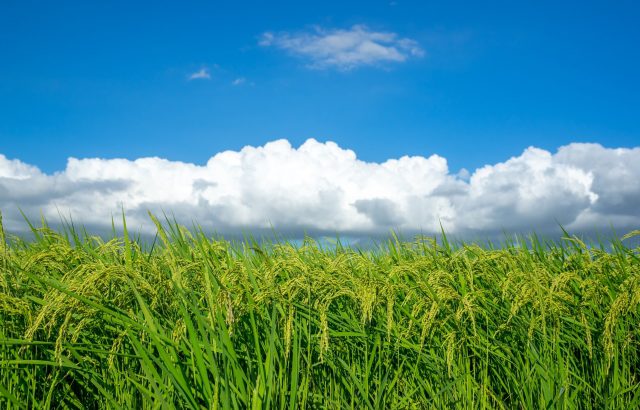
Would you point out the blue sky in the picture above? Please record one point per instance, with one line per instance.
(474, 84)
(108, 79)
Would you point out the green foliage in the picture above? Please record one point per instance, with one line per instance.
(193, 322)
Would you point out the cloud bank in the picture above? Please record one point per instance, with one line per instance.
(344, 49)
(321, 188)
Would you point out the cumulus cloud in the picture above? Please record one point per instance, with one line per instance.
(16, 169)
(321, 188)
(344, 49)
(202, 74)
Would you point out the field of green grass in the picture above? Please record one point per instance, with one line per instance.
(191, 322)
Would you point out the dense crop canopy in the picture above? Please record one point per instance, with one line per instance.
(200, 323)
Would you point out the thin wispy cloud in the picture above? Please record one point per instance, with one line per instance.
(323, 188)
(239, 81)
(344, 49)
(202, 74)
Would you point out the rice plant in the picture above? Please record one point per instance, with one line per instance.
(191, 321)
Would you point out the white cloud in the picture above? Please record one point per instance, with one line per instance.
(323, 188)
(344, 49)
(239, 81)
(202, 74)
(16, 169)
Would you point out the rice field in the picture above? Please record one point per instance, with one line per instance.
(188, 321)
